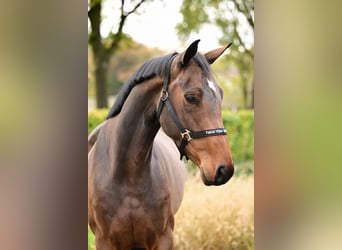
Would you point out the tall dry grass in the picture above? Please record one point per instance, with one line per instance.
(216, 217)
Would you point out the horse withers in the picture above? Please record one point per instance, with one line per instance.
(169, 108)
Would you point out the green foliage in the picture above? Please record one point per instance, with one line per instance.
(193, 16)
(91, 239)
(95, 117)
(240, 127)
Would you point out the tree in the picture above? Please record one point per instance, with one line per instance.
(104, 47)
(126, 61)
(235, 20)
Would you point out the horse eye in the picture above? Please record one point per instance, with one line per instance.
(191, 99)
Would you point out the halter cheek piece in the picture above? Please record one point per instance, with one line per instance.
(186, 134)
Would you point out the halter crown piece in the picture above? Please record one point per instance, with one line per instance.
(186, 134)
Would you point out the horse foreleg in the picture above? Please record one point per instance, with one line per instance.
(166, 240)
(104, 245)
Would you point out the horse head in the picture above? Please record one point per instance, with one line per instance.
(193, 118)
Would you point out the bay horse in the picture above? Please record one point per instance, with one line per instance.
(169, 108)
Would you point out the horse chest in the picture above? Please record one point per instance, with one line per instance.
(140, 214)
(150, 205)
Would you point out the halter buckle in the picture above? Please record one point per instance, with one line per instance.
(164, 95)
(186, 135)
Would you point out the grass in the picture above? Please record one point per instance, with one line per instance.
(91, 240)
(214, 217)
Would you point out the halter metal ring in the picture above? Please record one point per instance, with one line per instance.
(164, 95)
(186, 135)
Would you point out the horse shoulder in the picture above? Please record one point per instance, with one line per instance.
(92, 138)
(168, 167)
(100, 189)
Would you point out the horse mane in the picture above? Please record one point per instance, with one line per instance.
(202, 62)
(148, 70)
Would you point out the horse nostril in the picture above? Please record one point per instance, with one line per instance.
(222, 175)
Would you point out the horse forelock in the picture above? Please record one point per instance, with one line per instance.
(202, 62)
(149, 69)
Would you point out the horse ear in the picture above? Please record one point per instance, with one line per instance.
(211, 56)
(190, 52)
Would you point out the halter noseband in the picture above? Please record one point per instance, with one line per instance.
(186, 134)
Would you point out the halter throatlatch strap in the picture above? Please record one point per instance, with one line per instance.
(186, 134)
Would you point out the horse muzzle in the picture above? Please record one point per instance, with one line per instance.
(222, 175)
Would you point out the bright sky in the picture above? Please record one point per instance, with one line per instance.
(155, 26)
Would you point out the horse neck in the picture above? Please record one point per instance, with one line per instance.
(137, 125)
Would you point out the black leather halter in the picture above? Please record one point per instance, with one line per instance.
(186, 134)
